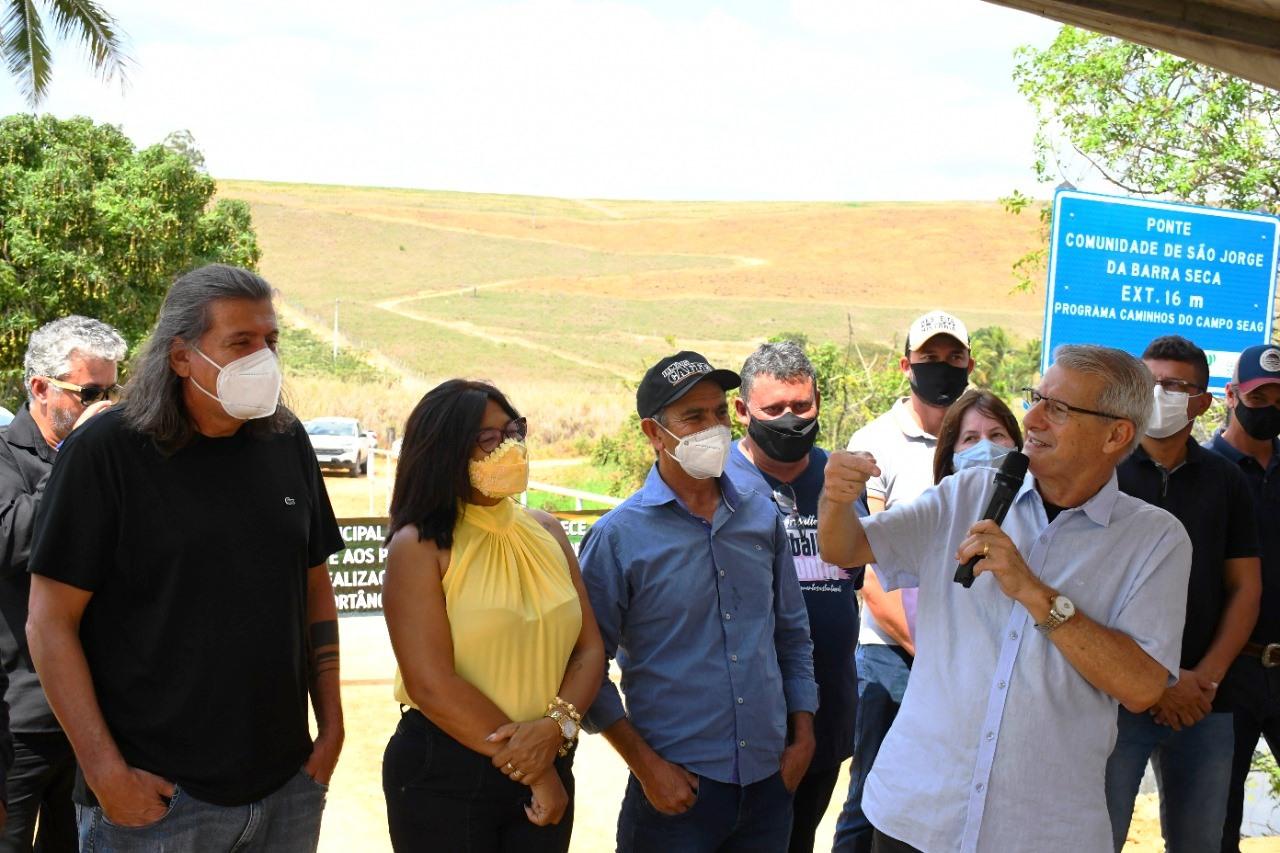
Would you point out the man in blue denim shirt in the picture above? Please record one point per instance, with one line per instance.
(695, 591)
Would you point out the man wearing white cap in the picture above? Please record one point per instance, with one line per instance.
(1252, 685)
(937, 363)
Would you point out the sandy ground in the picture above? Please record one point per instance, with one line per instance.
(355, 819)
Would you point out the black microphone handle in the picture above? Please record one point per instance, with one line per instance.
(996, 511)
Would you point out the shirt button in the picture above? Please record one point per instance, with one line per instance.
(1002, 685)
(733, 658)
(739, 700)
(991, 736)
(758, 548)
(722, 573)
(979, 787)
(728, 616)
(1013, 635)
(742, 743)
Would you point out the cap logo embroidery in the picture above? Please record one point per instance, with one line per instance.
(678, 371)
(1270, 360)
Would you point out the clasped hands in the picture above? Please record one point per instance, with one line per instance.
(527, 756)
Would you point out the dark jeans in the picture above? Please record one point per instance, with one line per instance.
(1254, 692)
(725, 818)
(882, 681)
(443, 796)
(881, 843)
(809, 805)
(1192, 765)
(39, 784)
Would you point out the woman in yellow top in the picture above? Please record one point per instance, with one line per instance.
(498, 653)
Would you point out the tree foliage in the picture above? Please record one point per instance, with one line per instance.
(25, 47)
(1150, 123)
(90, 225)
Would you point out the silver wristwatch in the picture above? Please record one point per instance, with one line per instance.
(1060, 610)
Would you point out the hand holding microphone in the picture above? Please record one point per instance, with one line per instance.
(1013, 470)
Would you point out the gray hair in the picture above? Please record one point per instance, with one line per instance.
(52, 346)
(783, 360)
(1126, 382)
(153, 403)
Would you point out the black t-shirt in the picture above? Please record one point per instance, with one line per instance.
(196, 634)
(1264, 488)
(830, 596)
(1211, 498)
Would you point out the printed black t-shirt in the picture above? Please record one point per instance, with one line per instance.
(830, 596)
(196, 633)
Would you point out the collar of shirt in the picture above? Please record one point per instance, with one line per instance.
(1227, 449)
(1195, 454)
(24, 433)
(905, 419)
(656, 492)
(1098, 508)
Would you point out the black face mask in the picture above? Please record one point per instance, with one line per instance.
(786, 439)
(938, 383)
(1262, 423)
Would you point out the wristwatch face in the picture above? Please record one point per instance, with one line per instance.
(1063, 607)
(569, 729)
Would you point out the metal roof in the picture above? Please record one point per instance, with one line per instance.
(1238, 36)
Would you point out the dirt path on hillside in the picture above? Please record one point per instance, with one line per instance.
(373, 358)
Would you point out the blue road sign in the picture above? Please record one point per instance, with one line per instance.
(1123, 271)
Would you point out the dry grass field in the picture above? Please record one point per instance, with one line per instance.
(565, 301)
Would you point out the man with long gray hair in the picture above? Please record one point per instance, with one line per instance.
(778, 405)
(1005, 730)
(180, 601)
(70, 376)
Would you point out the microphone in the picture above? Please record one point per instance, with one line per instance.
(1013, 470)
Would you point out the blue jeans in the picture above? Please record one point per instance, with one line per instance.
(1254, 692)
(725, 818)
(882, 681)
(285, 821)
(1193, 768)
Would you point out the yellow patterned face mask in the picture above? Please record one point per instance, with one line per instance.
(504, 472)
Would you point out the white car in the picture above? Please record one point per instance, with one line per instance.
(339, 443)
(6, 416)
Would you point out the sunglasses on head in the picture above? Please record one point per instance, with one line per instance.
(88, 394)
(490, 438)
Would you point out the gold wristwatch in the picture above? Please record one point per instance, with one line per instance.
(1060, 610)
(569, 728)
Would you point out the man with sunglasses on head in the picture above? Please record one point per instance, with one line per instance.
(1010, 714)
(694, 589)
(778, 405)
(1188, 733)
(70, 373)
(1252, 685)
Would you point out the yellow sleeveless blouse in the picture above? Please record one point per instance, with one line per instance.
(514, 613)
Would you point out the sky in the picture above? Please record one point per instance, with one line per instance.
(660, 99)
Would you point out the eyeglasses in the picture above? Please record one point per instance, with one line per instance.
(1058, 411)
(89, 394)
(1180, 386)
(785, 497)
(490, 438)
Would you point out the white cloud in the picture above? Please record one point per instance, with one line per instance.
(819, 99)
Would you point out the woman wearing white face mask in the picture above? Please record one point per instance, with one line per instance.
(979, 430)
(497, 650)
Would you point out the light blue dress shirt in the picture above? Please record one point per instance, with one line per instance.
(707, 623)
(1000, 744)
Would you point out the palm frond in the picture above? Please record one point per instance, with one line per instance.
(97, 31)
(25, 51)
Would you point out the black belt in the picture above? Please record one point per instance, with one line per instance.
(1269, 653)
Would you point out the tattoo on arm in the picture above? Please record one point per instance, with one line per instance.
(324, 647)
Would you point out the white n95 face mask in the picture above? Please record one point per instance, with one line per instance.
(248, 387)
(703, 454)
(1168, 413)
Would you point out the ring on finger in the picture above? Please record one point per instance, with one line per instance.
(509, 767)
(986, 549)
(516, 774)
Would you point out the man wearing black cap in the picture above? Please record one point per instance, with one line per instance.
(695, 591)
(1252, 685)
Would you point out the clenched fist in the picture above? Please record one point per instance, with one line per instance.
(847, 474)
